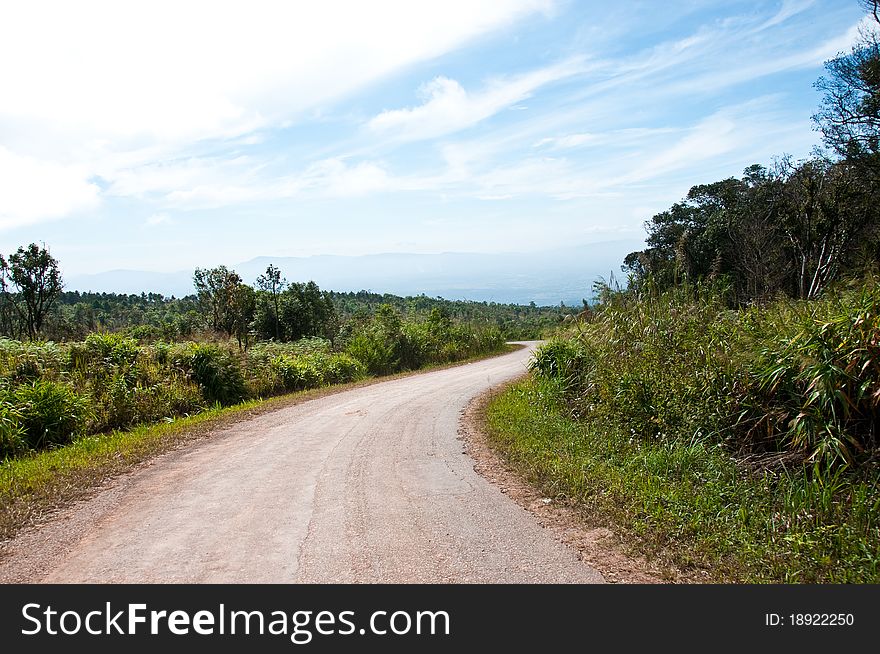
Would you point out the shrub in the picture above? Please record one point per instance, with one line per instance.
(342, 368)
(11, 431)
(217, 372)
(374, 352)
(50, 413)
(112, 348)
(799, 378)
(816, 381)
(562, 360)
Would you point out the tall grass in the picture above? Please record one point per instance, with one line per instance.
(690, 504)
(793, 380)
(745, 440)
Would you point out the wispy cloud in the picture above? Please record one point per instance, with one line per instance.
(567, 141)
(788, 9)
(447, 107)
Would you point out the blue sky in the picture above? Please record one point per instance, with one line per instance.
(177, 135)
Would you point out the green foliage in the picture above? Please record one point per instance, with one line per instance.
(515, 321)
(794, 380)
(387, 343)
(11, 431)
(216, 371)
(794, 230)
(49, 413)
(817, 383)
(374, 351)
(688, 502)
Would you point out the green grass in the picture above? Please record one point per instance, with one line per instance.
(33, 485)
(688, 503)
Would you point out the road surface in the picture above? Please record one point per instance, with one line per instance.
(367, 485)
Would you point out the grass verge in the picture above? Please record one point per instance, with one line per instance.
(690, 504)
(33, 486)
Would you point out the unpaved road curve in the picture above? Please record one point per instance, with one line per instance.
(367, 485)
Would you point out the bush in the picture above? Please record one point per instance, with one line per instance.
(11, 431)
(50, 413)
(800, 378)
(374, 352)
(217, 372)
(816, 383)
(342, 368)
(562, 360)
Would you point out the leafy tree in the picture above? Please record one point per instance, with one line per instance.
(244, 303)
(689, 241)
(757, 254)
(849, 117)
(8, 314)
(793, 229)
(824, 211)
(37, 281)
(273, 283)
(216, 289)
(307, 311)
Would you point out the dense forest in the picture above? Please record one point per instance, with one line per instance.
(724, 407)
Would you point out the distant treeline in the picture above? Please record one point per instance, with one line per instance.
(153, 316)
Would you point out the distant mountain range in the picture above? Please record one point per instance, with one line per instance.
(546, 278)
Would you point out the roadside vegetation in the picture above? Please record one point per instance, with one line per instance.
(52, 393)
(740, 443)
(722, 411)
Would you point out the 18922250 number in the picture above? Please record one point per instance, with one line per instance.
(821, 619)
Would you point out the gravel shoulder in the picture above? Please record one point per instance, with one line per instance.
(597, 546)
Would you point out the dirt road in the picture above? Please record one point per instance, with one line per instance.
(367, 485)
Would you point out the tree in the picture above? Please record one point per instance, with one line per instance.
(8, 314)
(825, 212)
(244, 304)
(689, 241)
(216, 289)
(849, 117)
(759, 260)
(307, 311)
(273, 283)
(37, 280)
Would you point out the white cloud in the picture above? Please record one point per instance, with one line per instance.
(228, 183)
(86, 84)
(788, 9)
(158, 219)
(566, 142)
(448, 107)
(184, 71)
(33, 191)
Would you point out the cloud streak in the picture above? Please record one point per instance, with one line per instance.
(447, 107)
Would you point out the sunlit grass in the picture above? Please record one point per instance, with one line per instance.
(689, 503)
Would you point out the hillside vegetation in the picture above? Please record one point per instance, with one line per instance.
(742, 443)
